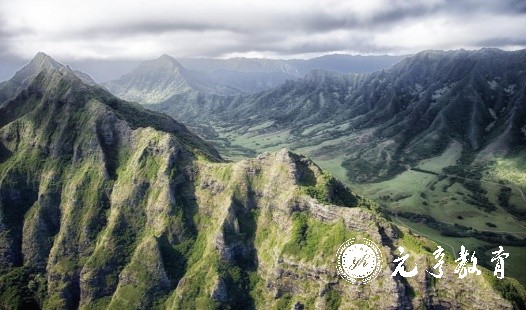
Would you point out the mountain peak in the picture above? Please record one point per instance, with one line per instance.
(42, 60)
(25, 76)
(153, 81)
(166, 56)
(44, 65)
(167, 60)
(42, 55)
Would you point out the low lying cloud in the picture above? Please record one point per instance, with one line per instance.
(131, 30)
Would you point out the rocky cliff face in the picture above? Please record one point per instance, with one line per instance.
(106, 205)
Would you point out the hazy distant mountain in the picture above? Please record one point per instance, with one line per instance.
(241, 65)
(161, 79)
(249, 82)
(9, 66)
(157, 80)
(296, 67)
(104, 204)
(347, 63)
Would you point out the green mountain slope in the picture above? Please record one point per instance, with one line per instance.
(106, 205)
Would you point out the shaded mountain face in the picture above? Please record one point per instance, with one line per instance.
(106, 205)
(384, 121)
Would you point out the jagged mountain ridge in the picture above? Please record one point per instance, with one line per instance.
(106, 205)
(393, 117)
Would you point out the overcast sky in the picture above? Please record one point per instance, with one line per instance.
(72, 30)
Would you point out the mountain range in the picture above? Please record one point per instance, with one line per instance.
(397, 116)
(439, 137)
(192, 79)
(104, 204)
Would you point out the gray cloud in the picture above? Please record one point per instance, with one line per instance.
(388, 16)
(133, 28)
(129, 31)
(503, 41)
(511, 7)
(307, 21)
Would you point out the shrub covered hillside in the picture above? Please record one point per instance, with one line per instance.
(106, 205)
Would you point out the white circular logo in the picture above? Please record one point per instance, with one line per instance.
(359, 262)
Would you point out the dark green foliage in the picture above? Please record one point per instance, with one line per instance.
(299, 234)
(365, 170)
(304, 175)
(490, 224)
(109, 262)
(331, 191)
(17, 196)
(174, 258)
(239, 283)
(409, 290)
(333, 299)
(504, 202)
(457, 230)
(317, 193)
(17, 107)
(425, 171)
(468, 177)
(4, 153)
(110, 150)
(340, 195)
(284, 302)
(509, 289)
(479, 199)
(464, 172)
(22, 289)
